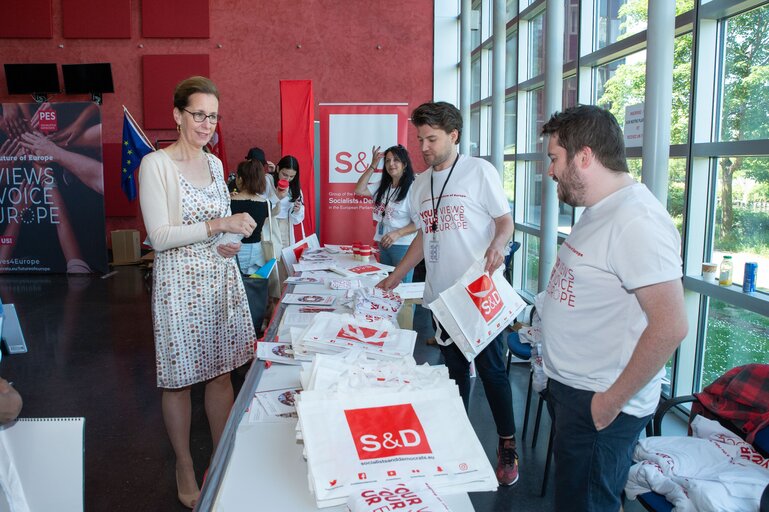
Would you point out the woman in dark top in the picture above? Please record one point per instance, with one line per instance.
(250, 197)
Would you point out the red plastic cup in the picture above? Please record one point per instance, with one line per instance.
(282, 184)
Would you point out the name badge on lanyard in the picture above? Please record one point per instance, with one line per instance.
(380, 227)
(433, 250)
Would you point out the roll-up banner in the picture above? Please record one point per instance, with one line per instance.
(348, 132)
(51, 188)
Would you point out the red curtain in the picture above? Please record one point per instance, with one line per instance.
(297, 134)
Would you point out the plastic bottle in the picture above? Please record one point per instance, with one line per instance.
(725, 272)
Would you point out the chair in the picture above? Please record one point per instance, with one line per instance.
(730, 387)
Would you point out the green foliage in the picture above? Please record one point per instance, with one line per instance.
(734, 337)
(748, 233)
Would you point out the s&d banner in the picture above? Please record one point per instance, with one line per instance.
(347, 134)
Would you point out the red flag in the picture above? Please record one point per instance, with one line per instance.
(297, 138)
(216, 146)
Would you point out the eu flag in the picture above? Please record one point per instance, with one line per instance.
(135, 146)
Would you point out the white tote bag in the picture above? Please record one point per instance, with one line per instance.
(476, 308)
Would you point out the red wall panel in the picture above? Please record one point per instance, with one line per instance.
(28, 18)
(161, 74)
(96, 19)
(250, 50)
(175, 18)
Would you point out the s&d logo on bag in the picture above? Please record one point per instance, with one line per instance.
(388, 431)
(485, 296)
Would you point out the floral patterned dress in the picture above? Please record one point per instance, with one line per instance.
(200, 312)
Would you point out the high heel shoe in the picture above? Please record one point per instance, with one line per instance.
(189, 500)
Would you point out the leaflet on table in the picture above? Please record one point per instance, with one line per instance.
(276, 352)
(313, 265)
(313, 299)
(273, 406)
(410, 290)
(313, 289)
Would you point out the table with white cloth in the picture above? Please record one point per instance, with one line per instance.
(260, 466)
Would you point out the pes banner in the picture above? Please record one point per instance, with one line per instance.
(348, 132)
(51, 188)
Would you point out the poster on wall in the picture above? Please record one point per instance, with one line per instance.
(51, 188)
(348, 132)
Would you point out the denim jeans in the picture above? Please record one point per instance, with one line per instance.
(591, 466)
(250, 257)
(490, 365)
(392, 256)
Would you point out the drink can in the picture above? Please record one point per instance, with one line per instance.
(749, 281)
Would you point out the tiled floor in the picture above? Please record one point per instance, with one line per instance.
(91, 354)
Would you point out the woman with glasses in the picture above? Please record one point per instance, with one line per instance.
(291, 203)
(200, 314)
(394, 229)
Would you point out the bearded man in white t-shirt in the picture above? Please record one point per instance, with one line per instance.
(612, 313)
(462, 216)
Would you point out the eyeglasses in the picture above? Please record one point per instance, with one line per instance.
(199, 117)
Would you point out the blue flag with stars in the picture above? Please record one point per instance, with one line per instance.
(135, 146)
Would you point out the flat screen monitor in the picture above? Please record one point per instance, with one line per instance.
(87, 78)
(32, 78)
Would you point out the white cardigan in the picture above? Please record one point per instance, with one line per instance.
(161, 203)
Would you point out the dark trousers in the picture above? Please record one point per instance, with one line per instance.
(591, 466)
(490, 365)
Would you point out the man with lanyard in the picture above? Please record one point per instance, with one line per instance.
(462, 215)
(612, 314)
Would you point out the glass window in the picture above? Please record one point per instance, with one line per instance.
(571, 38)
(511, 60)
(510, 124)
(569, 92)
(508, 181)
(535, 119)
(742, 215)
(537, 45)
(676, 191)
(511, 9)
(746, 77)
(475, 26)
(475, 133)
(475, 80)
(733, 337)
(682, 87)
(618, 19)
(532, 210)
(620, 83)
(531, 263)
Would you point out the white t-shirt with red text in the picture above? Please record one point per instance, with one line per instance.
(473, 198)
(591, 319)
(390, 214)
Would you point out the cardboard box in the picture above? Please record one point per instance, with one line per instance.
(125, 246)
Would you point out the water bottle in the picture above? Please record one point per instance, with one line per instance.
(725, 272)
(539, 380)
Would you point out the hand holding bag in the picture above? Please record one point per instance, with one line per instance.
(477, 308)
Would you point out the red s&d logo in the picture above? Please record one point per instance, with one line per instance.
(485, 296)
(388, 431)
